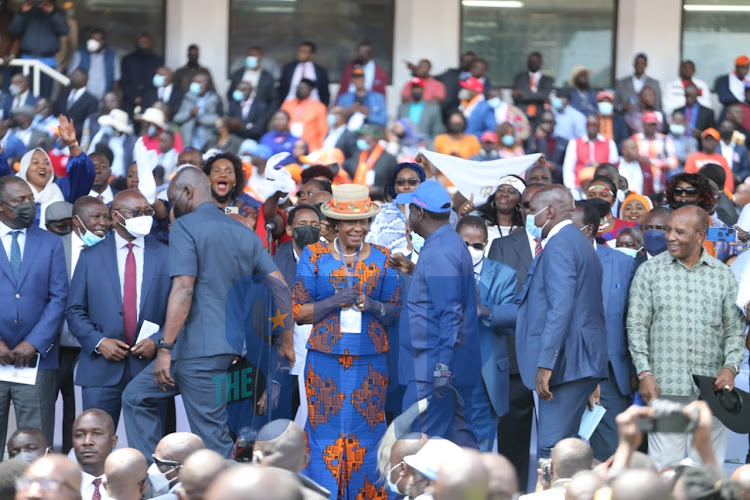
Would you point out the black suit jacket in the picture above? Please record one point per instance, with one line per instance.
(175, 99)
(84, 106)
(321, 81)
(265, 90)
(284, 260)
(543, 88)
(705, 118)
(254, 125)
(347, 143)
(514, 251)
(383, 169)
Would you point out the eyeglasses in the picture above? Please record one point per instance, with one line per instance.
(138, 213)
(655, 228)
(476, 246)
(167, 464)
(691, 191)
(403, 182)
(45, 484)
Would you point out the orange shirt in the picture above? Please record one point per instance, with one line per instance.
(696, 160)
(309, 116)
(465, 148)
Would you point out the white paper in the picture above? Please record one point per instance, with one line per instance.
(370, 177)
(147, 329)
(9, 373)
(356, 121)
(351, 320)
(590, 421)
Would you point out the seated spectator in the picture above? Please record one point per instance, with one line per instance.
(505, 112)
(584, 485)
(153, 123)
(116, 133)
(304, 67)
(309, 116)
(10, 472)
(635, 170)
(101, 188)
(20, 95)
(646, 104)
(198, 112)
(480, 116)
(464, 476)
(489, 149)
(676, 90)
(422, 467)
(569, 122)
(252, 113)
(709, 142)
(224, 140)
(279, 139)
(109, 102)
(395, 469)
(364, 106)
(433, 89)
(44, 120)
(582, 97)
(725, 210)
(168, 458)
(510, 145)
(199, 469)
(374, 164)
(503, 483)
(29, 442)
(733, 149)
(545, 141)
(162, 88)
(568, 457)
(422, 112)
(587, 151)
(248, 482)
(339, 136)
(635, 208)
(30, 136)
(538, 173)
(502, 210)
(376, 78)
(54, 468)
(59, 217)
(100, 62)
(260, 79)
(656, 149)
(404, 140)
(684, 142)
(167, 154)
(125, 470)
(736, 115)
(456, 141)
(94, 439)
(697, 116)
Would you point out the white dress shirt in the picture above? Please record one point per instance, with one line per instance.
(8, 239)
(633, 173)
(122, 255)
(638, 83)
(333, 137)
(727, 151)
(252, 76)
(532, 243)
(164, 93)
(74, 95)
(19, 100)
(555, 230)
(308, 70)
(107, 195)
(88, 488)
(737, 87)
(76, 246)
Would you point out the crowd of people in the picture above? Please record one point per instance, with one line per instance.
(338, 306)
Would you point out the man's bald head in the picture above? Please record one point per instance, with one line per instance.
(583, 486)
(558, 196)
(56, 467)
(177, 446)
(188, 189)
(569, 456)
(409, 444)
(126, 474)
(280, 443)
(741, 476)
(250, 482)
(694, 213)
(197, 472)
(464, 477)
(640, 484)
(128, 198)
(551, 205)
(85, 204)
(503, 477)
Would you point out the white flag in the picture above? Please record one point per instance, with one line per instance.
(479, 178)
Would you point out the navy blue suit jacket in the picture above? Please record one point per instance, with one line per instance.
(284, 260)
(497, 286)
(560, 324)
(94, 309)
(617, 273)
(8, 104)
(33, 309)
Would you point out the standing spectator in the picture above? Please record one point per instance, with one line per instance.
(697, 116)
(510, 145)
(167, 155)
(224, 141)
(627, 89)
(725, 210)
(455, 141)
(309, 118)
(423, 113)
(480, 116)
(587, 151)
(675, 91)
(138, 69)
(279, 139)
(561, 311)
(184, 74)
(77, 103)
(531, 89)
(339, 136)
(611, 125)
(582, 97)
(40, 26)
(20, 95)
(682, 138)
(736, 115)
(69, 42)
(432, 88)
(116, 132)
(656, 149)
(376, 78)
(100, 62)
(304, 68)
(24, 130)
(505, 112)
(479, 71)
(109, 102)
(162, 88)
(682, 313)
(548, 143)
(374, 165)
(347, 288)
(730, 88)
(569, 122)
(635, 170)
(261, 80)
(452, 78)
(364, 106)
(735, 154)
(709, 142)
(251, 112)
(198, 112)
(36, 293)
(228, 183)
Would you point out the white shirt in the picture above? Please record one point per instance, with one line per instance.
(333, 137)
(308, 70)
(534, 78)
(252, 76)
(246, 105)
(301, 334)
(76, 246)
(571, 158)
(8, 239)
(744, 220)
(74, 95)
(122, 255)
(24, 135)
(743, 292)
(674, 95)
(737, 87)
(19, 100)
(88, 488)
(638, 83)
(555, 230)
(727, 151)
(107, 195)
(633, 173)
(532, 243)
(165, 93)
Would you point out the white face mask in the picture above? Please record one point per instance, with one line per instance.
(630, 252)
(476, 256)
(92, 45)
(158, 480)
(139, 226)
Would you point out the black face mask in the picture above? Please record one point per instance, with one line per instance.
(533, 66)
(359, 61)
(726, 135)
(455, 129)
(416, 96)
(25, 215)
(306, 235)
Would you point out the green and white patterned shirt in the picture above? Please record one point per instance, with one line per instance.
(684, 321)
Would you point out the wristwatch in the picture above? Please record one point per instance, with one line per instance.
(164, 345)
(733, 368)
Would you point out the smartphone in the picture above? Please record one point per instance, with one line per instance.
(728, 234)
(232, 210)
(545, 465)
(670, 422)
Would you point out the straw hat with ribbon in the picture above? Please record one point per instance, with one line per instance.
(350, 202)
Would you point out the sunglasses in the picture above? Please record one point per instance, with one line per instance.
(167, 464)
(476, 246)
(691, 191)
(138, 213)
(404, 182)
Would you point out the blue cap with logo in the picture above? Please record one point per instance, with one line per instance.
(429, 195)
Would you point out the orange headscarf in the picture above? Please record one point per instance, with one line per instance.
(636, 197)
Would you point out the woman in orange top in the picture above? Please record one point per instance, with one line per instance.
(456, 142)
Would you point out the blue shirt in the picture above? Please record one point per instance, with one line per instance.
(571, 123)
(373, 101)
(415, 112)
(279, 143)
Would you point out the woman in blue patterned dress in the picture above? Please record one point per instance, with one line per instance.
(348, 292)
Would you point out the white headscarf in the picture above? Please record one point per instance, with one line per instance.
(51, 192)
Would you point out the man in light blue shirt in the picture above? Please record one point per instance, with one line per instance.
(571, 123)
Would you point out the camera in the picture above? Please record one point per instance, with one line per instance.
(668, 417)
(545, 465)
(728, 234)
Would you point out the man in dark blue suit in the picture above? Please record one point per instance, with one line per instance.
(20, 95)
(33, 290)
(616, 393)
(496, 286)
(304, 67)
(251, 112)
(118, 286)
(561, 339)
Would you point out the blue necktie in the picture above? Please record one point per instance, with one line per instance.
(15, 255)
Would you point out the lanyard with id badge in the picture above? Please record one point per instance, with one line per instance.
(351, 317)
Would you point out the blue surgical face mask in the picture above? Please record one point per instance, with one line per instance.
(195, 88)
(251, 62)
(508, 140)
(158, 80)
(605, 108)
(556, 103)
(151, 130)
(630, 252)
(677, 129)
(36, 119)
(108, 130)
(417, 242)
(331, 120)
(654, 241)
(238, 95)
(495, 102)
(393, 487)
(531, 226)
(89, 238)
(362, 145)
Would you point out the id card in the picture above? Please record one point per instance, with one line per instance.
(370, 177)
(351, 320)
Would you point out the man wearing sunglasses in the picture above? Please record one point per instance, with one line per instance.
(170, 454)
(118, 304)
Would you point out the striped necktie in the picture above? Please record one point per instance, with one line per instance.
(538, 247)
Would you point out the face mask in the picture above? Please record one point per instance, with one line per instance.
(158, 480)
(306, 235)
(362, 145)
(108, 130)
(464, 94)
(677, 129)
(726, 135)
(531, 226)
(138, 226)
(195, 88)
(495, 102)
(14, 89)
(158, 80)
(151, 130)
(251, 62)
(556, 103)
(455, 129)
(331, 120)
(630, 252)
(680, 204)
(417, 242)
(299, 95)
(416, 96)
(89, 239)
(533, 66)
(238, 95)
(92, 45)
(476, 256)
(393, 487)
(508, 140)
(654, 241)
(605, 108)
(25, 213)
(36, 120)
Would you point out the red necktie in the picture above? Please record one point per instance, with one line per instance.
(538, 248)
(97, 494)
(130, 297)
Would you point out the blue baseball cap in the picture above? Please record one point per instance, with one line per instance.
(430, 196)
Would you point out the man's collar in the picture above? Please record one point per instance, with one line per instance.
(76, 240)
(120, 242)
(599, 138)
(556, 229)
(87, 479)
(704, 259)
(7, 229)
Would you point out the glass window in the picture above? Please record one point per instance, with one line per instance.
(566, 33)
(714, 33)
(335, 26)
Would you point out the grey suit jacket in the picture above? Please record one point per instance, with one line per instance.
(205, 119)
(66, 336)
(624, 91)
(431, 121)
